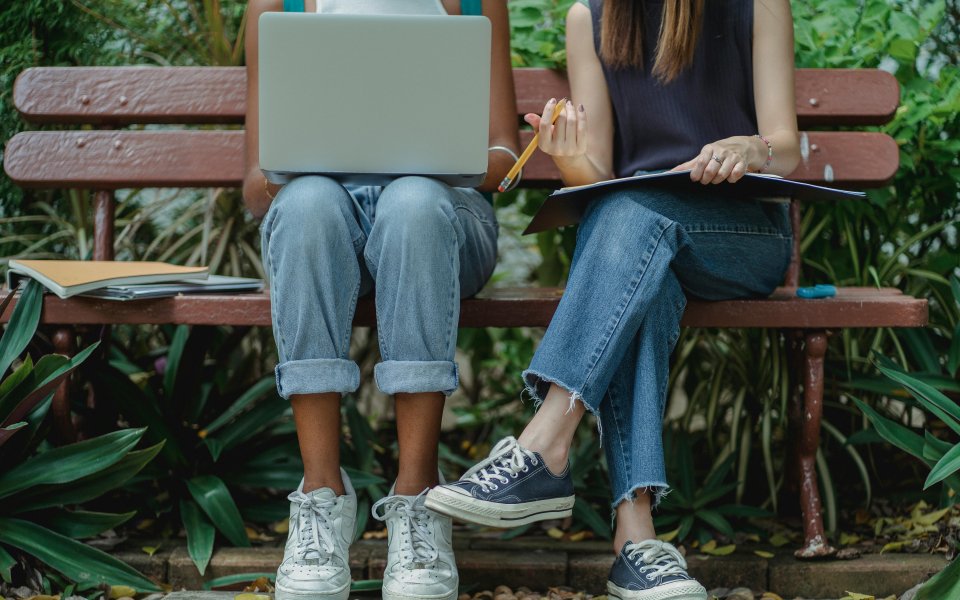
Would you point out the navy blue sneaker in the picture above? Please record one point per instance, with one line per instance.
(512, 487)
(652, 570)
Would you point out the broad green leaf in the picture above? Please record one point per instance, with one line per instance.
(214, 498)
(22, 325)
(945, 584)
(71, 462)
(78, 524)
(14, 380)
(75, 560)
(586, 513)
(247, 425)
(921, 349)
(174, 353)
(256, 391)
(953, 358)
(715, 520)
(141, 408)
(686, 524)
(7, 562)
(932, 399)
(86, 488)
(742, 510)
(705, 497)
(46, 376)
(200, 534)
(237, 578)
(896, 434)
(947, 466)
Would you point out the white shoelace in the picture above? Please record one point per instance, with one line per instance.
(505, 462)
(417, 547)
(314, 530)
(655, 558)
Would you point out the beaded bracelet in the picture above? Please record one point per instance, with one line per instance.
(766, 165)
(513, 155)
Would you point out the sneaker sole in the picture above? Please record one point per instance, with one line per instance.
(282, 594)
(494, 514)
(676, 590)
(449, 596)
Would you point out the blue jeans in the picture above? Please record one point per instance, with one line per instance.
(420, 244)
(638, 255)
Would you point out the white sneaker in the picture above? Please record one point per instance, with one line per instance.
(316, 563)
(420, 562)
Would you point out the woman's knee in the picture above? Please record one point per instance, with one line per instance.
(415, 203)
(312, 209)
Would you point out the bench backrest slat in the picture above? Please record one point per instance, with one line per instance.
(128, 95)
(130, 159)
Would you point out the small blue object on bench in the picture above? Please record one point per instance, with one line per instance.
(821, 290)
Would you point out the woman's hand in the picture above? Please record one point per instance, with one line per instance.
(725, 160)
(566, 138)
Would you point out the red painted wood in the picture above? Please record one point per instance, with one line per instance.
(125, 95)
(125, 159)
(533, 307)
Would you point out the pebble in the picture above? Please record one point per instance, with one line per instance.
(739, 593)
(848, 554)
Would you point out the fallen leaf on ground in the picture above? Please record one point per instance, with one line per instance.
(721, 551)
(856, 596)
(247, 596)
(778, 539)
(848, 538)
(668, 536)
(709, 546)
(555, 533)
(764, 554)
(150, 550)
(119, 591)
(770, 596)
(893, 547)
(579, 536)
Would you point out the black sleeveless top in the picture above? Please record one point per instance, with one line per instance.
(658, 126)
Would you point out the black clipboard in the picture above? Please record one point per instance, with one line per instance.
(566, 205)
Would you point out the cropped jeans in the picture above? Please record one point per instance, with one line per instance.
(638, 255)
(418, 243)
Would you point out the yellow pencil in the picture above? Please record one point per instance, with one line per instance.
(530, 148)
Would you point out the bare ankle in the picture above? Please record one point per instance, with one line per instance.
(411, 486)
(324, 481)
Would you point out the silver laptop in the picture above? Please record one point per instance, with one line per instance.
(366, 99)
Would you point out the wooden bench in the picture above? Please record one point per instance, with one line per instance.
(110, 157)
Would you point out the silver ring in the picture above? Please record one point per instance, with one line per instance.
(718, 159)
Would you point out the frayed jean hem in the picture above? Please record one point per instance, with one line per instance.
(537, 385)
(657, 490)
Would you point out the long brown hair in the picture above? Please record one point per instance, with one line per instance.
(621, 35)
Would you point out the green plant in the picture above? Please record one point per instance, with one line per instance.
(941, 456)
(229, 437)
(697, 511)
(38, 484)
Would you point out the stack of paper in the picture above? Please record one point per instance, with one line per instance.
(124, 280)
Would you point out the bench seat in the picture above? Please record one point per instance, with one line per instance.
(516, 307)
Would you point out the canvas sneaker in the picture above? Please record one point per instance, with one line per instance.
(512, 487)
(420, 562)
(316, 564)
(652, 570)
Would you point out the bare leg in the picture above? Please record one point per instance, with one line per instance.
(418, 434)
(551, 430)
(634, 521)
(318, 429)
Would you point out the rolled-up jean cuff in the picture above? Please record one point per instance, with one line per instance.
(417, 376)
(317, 376)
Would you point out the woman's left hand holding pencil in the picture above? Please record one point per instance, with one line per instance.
(567, 137)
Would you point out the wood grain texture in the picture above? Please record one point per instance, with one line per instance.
(127, 95)
(194, 158)
(519, 307)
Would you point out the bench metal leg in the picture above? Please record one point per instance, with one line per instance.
(65, 431)
(815, 543)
